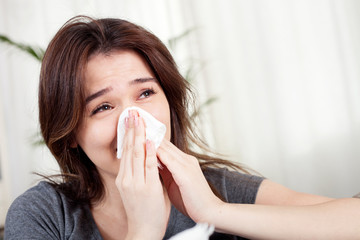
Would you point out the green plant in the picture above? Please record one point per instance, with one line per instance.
(192, 70)
(35, 52)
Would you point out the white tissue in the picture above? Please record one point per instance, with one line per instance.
(202, 231)
(155, 130)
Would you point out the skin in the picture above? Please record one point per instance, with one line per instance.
(123, 79)
(137, 203)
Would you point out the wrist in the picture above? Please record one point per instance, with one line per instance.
(212, 216)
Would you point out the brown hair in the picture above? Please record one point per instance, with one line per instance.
(61, 95)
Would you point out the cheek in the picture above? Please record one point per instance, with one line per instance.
(165, 119)
(95, 137)
(163, 116)
(168, 130)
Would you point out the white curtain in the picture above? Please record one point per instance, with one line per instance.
(287, 77)
(285, 74)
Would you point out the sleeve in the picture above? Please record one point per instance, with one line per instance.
(32, 215)
(242, 188)
(234, 186)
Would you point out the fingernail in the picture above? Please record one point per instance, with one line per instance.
(126, 122)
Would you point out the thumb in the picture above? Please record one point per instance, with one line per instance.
(173, 191)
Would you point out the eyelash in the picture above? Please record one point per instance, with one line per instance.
(149, 91)
(103, 107)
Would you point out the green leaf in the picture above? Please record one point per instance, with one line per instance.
(199, 109)
(194, 68)
(172, 42)
(35, 52)
(36, 139)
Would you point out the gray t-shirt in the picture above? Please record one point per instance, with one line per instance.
(44, 213)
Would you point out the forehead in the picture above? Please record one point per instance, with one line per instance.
(124, 65)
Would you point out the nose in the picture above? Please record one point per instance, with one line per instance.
(124, 107)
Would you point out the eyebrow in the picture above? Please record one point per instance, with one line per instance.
(97, 94)
(142, 80)
(108, 89)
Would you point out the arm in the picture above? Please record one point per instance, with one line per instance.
(286, 215)
(290, 215)
(285, 196)
(338, 219)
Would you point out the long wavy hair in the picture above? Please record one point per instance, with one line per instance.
(61, 96)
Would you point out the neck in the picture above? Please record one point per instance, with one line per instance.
(112, 200)
(109, 214)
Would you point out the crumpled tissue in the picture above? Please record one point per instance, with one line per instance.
(155, 130)
(201, 231)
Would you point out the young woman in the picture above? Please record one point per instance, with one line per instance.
(92, 71)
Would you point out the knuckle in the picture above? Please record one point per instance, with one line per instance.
(128, 148)
(138, 153)
(150, 165)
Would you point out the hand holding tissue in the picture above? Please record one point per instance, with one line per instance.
(154, 129)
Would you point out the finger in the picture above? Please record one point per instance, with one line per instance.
(169, 146)
(123, 179)
(152, 171)
(170, 155)
(176, 161)
(122, 163)
(171, 161)
(139, 148)
(128, 148)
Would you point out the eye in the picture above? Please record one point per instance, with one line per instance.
(147, 93)
(101, 108)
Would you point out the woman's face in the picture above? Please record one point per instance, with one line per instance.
(112, 83)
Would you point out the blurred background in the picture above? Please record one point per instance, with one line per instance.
(284, 76)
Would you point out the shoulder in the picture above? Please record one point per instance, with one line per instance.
(234, 186)
(42, 193)
(33, 210)
(43, 212)
(39, 198)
